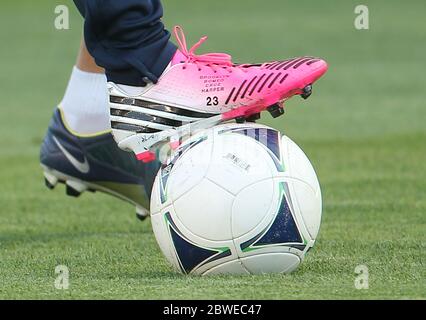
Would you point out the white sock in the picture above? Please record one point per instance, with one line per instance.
(85, 103)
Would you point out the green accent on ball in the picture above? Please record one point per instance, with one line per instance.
(248, 249)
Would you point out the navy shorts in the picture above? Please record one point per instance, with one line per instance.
(127, 38)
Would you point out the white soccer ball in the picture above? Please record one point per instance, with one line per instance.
(236, 199)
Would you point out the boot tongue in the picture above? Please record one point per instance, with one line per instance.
(179, 57)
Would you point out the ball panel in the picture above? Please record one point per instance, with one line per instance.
(280, 232)
(271, 263)
(206, 211)
(234, 267)
(252, 206)
(238, 161)
(306, 190)
(190, 254)
(299, 165)
(155, 203)
(185, 251)
(309, 206)
(190, 168)
(162, 235)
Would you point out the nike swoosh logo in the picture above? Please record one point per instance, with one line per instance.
(83, 167)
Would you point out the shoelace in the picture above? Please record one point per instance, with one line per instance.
(208, 59)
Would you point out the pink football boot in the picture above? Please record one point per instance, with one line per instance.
(200, 91)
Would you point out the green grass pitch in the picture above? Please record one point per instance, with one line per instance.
(364, 129)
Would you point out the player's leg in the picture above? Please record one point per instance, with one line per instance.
(155, 88)
(79, 150)
(85, 61)
(127, 38)
(85, 103)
